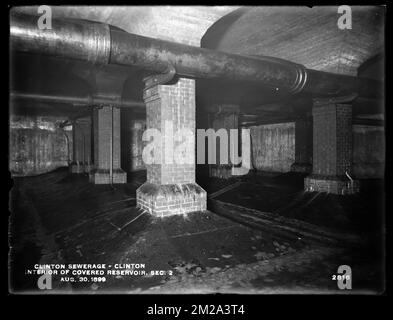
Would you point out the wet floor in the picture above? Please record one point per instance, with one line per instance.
(61, 218)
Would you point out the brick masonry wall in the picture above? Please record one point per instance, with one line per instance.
(273, 147)
(37, 145)
(368, 151)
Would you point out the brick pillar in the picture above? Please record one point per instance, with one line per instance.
(88, 146)
(106, 139)
(224, 117)
(303, 145)
(86, 159)
(170, 187)
(77, 164)
(332, 150)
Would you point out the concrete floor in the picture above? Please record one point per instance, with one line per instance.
(266, 236)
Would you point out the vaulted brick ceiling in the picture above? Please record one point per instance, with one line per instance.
(309, 36)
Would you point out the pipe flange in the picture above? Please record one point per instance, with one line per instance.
(301, 72)
(301, 79)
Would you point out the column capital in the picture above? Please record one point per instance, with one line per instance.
(347, 99)
(332, 108)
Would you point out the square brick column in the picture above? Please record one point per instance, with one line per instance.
(87, 133)
(332, 150)
(85, 128)
(170, 188)
(303, 145)
(78, 140)
(225, 117)
(106, 139)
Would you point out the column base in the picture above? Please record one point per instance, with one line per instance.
(76, 168)
(102, 176)
(171, 199)
(301, 167)
(329, 184)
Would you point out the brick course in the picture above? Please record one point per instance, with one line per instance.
(171, 199)
(104, 126)
(334, 185)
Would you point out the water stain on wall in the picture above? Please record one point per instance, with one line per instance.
(38, 145)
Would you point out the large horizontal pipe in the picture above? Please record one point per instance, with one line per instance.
(101, 100)
(100, 43)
